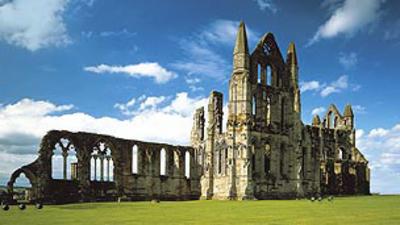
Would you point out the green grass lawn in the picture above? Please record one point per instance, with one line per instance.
(345, 211)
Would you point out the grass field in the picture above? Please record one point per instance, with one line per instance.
(345, 211)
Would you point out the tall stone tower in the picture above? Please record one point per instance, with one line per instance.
(266, 151)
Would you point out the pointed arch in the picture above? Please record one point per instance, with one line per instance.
(63, 159)
(101, 161)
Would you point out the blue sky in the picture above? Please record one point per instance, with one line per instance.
(125, 67)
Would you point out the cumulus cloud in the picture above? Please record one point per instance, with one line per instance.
(309, 86)
(201, 55)
(318, 111)
(147, 69)
(23, 124)
(348, 60)
(336, 86)
(348, 19)
(266, 4)
(382, 148)
(326, 89)
(33, 24)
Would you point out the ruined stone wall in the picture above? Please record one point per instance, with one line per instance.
(145, 183)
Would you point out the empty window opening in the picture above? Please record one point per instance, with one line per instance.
(163, 162)
(268, 114)
(340, 154)
(253, 162)
(187, 164)
(64, 161)
(254, 106)
(135, 159)
(101, 163)
(269, 75)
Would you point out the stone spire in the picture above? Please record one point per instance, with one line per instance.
(348, 111)
(291, 63)
(316, 121)
(291, 56)
(241, 59)
(241, 45)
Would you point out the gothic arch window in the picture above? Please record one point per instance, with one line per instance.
(22, 181)
(253, 162)
(282, 160)
(330, 121)
(268, 114)
(254, 105)
(163, 162)
(267, 159)
(64, 160)
(259, 73)
(187, 164)
(101, 163)
(135, 156)
(283, 111)
(219, 161)
(340, 154)
(269, 75)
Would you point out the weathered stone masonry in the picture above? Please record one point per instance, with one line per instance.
(266, 151)
(146, 184)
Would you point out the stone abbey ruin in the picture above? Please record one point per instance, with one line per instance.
(266, 151)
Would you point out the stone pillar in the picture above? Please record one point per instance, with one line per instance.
(101, 167)
(95, 167)
(65, 156)
(108, 168)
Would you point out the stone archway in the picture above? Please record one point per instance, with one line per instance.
(29, 175)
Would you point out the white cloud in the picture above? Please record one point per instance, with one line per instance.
(348, 60)
(318, 111)
(266, 4)
(147, 69)
(28, 107)
(382, 149)
(336, 86)
(325, 89)
(33, 24)
(155, 118)
(349, 18)
(201, 55)
(309, 86)
(378, 132)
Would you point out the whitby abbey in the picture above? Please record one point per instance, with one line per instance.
(266, 151)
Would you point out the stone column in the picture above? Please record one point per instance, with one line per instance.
(65, 156)
(95, 167)
(101, 167)
(108, 168)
